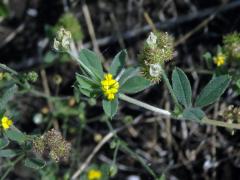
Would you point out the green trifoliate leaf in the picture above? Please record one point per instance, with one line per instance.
(181, 87)
(193, 114)
(213, 90)
(34, 163)
(135, 84)
(118, 63)
(110, 107)
(92, 61)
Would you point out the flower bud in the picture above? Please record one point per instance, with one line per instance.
(62, 40)
(31, 76)
(152, 40)
(113, 170)
(155, 70)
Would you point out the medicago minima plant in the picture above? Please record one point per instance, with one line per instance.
(115, 83)
(109, 85)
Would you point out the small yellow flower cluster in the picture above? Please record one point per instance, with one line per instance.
(109, 86)
(219, 60)
(6, 123)
(94, 174)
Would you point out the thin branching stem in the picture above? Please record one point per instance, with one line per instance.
(166, 113)
(144, 105)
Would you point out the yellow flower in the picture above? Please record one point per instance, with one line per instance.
(109, 87)
(6, 123)
(1, 76)
(94, 174)
(219, 60)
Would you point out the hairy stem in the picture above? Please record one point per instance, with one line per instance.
(213, 122)
(205, 120)
(144, 105)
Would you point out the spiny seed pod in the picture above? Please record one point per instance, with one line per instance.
(157, 49)
(232, 45)
(232, 114)
(52, 142)
(59, 147)
(39, 145)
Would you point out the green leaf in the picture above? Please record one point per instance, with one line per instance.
(16, 135)
(181, 87)
(8, 153)
(195, 114)
(7, 96)
(86, 85)
(3, 143)
(92, 61)
(110, 107)
(135, 84)
(34, 163)
(118, 63)
(213, 90)
(128, 73)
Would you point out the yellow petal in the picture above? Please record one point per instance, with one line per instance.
(105, 83)
(110, 97)
(108, 76)
(116, 85)
(113, 90)
(4, 119)
(112, 82)
(5, 125)
(9, 122)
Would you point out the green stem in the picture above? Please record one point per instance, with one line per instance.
(205, 120)
(139, 158)
(129, 151)
(3, 66)
(213, 122)
(115, 153)
(144, 105)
